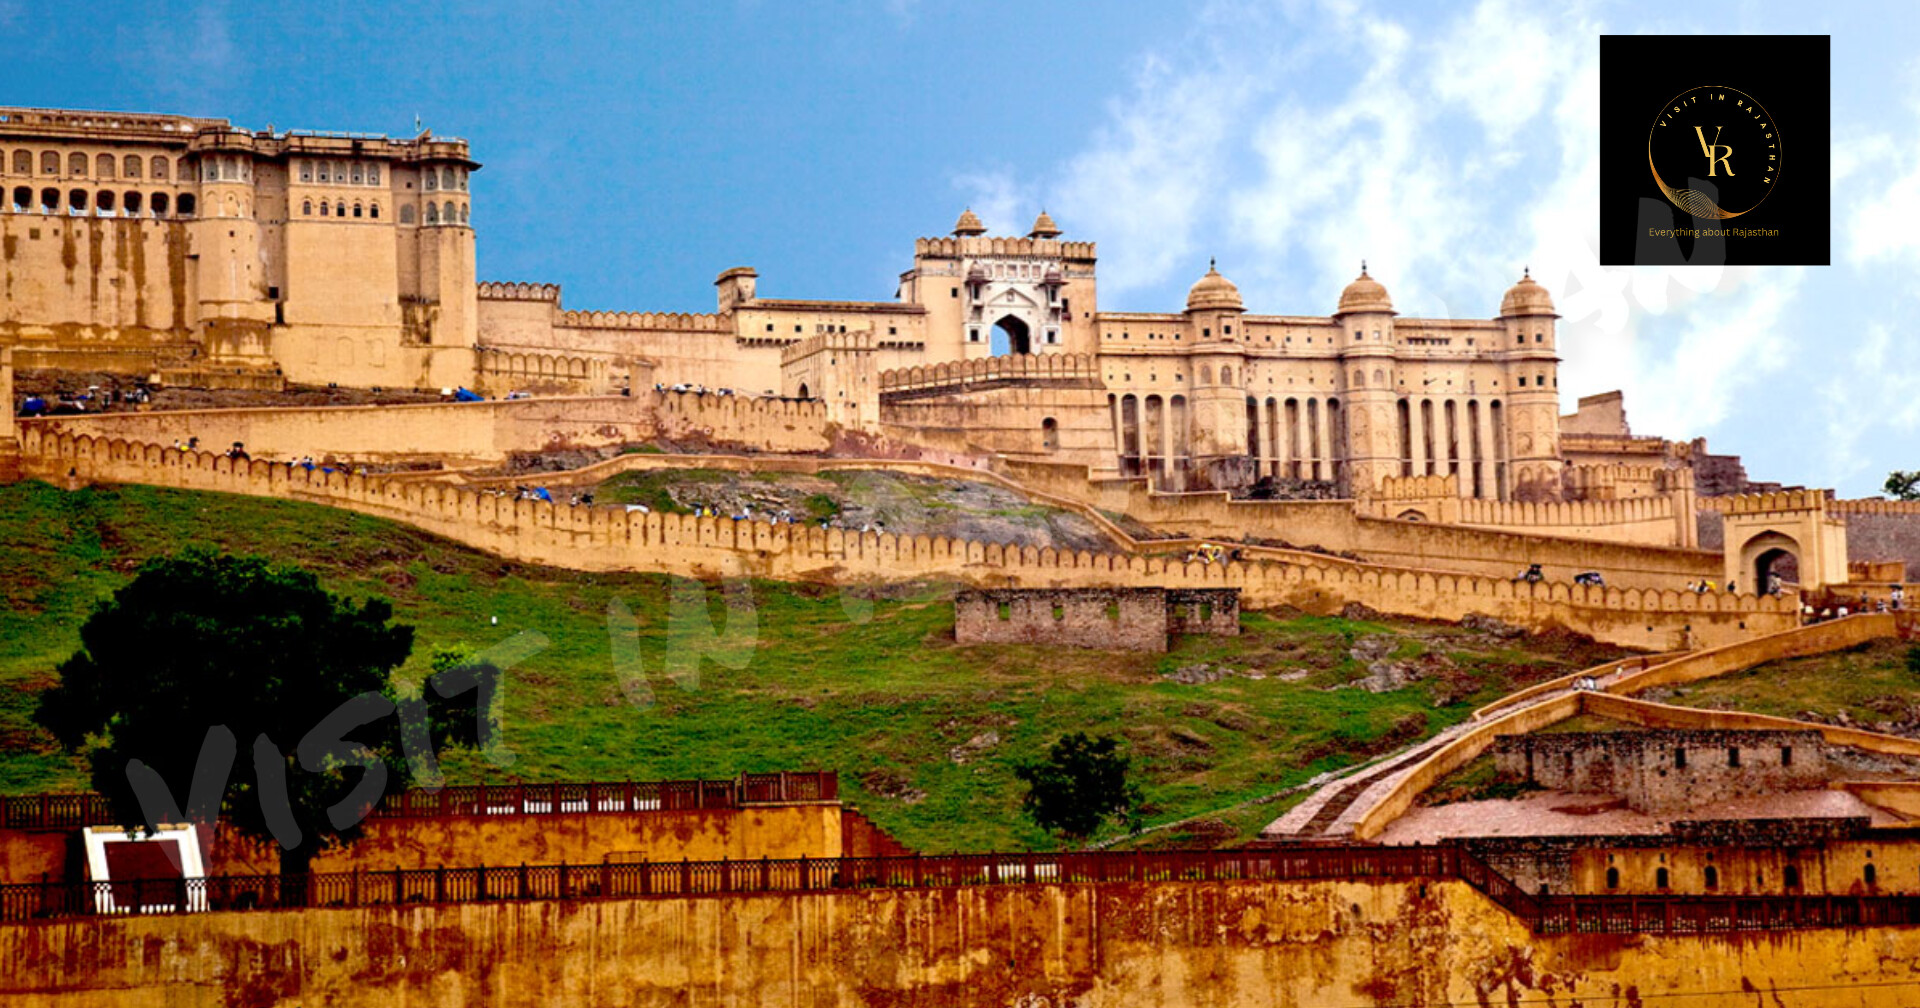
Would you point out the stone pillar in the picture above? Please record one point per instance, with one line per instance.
(1488, 486)
(1325, 448)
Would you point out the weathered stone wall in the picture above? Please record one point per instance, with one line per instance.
(1116, 619)
(1230, 944)
(470, 432)
(1666, 771)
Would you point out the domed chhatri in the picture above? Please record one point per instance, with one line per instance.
(969, 224)
(1364, 294)
(1044, 227)
(1526, 298)
(1214, 291)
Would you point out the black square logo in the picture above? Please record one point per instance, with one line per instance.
(1714, 150)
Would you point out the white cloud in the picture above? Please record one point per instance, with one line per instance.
(997, 198)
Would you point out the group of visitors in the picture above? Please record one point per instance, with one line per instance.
(94, 399)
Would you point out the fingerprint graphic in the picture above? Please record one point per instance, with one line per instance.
(1696, 204)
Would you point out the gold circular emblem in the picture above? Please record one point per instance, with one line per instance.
(1721, 145)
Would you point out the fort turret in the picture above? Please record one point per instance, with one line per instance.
(1533, 390)
(1218, 426)
(1365, 339)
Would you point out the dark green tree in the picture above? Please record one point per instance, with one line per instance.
(1903, 485)
(1080, 784)
(228, 685)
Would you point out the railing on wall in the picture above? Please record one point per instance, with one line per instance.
(608, 880)
(72, 811)
(627, 880)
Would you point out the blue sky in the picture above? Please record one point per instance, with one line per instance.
(633, 151)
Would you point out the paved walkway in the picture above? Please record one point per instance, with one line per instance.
(1329, 814)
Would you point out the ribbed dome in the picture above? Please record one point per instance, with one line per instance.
(1364, 294)
(1526, 298)
(1044, 227)
(969, 224)
(1214, 291)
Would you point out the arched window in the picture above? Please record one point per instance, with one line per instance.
(22, 162)
(1049, 434)
(325, 208)
(104, 202)
(1870, 876)
(1226, 375)
(306, 208)
(359, 175)
(406, 213)
(463, 179)
(185, 207)
(446, 178)
(159, 205)
(131, 204)
(76, 163)
(463, 213)
(103, 166)
(22, 198)
(1792, 876)
(1713, 877)
(49, 200)
(374, 211)
(373, 174)
(1359, 378)
(1613, 878)
(1660, 878)
(49, 163)
(130, 166)
(162, 168)
(431, 181)
(356, 209)
(446, 213)
(77, 201)
(433, 213)
(1206, 374)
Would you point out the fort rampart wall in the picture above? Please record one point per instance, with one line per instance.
(1247, 944)
(476, 432)
(605, 538)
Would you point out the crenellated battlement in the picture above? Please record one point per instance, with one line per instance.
(682, 321)
(493, 290)
(1416, 488)
(991, 371)
(1049, 248)
(1777, 500)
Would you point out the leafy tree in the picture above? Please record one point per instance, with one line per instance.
(1081, 783)
(1903, 485)
(246, 689)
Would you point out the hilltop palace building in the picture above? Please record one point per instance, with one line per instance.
(212, 255)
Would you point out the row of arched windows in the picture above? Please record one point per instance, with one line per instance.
(446, 177)
(329, 208)
(436, 213)
(1710, 878)
(226, 169)
(106, 166)
(340, 172)
(105, 203)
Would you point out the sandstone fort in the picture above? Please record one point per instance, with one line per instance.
(1232, 458)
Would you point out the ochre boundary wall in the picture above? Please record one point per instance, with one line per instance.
(1234, 944)
(1334, 525)
(482, 432)
(1816, 639)
(613, 539)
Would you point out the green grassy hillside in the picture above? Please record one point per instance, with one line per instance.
(924, 733)
(1870, 685)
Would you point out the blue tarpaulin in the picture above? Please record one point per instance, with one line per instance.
(466, 395)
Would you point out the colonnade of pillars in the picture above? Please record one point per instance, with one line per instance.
(1298, 438)
(1151, 432)
(1454, 437)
